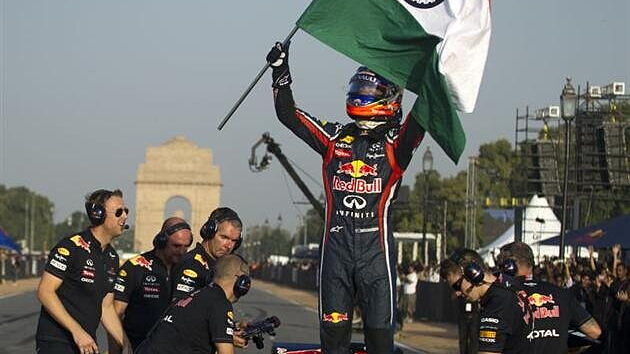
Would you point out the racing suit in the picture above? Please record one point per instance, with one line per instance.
(362, 170)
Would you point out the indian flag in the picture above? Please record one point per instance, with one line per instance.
(434, 48)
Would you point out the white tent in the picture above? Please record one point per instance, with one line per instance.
(539, 223)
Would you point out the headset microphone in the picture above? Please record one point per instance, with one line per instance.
(126, 227)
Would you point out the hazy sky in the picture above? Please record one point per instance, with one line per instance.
(88, 85)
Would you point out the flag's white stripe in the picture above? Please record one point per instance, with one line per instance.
(464, 26)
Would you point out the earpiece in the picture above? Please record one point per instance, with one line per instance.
(471, 271)
(509, 267)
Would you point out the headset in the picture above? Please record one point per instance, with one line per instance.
(471, 271)
(242, 285)
(509, 267)
(219, 215)
(96, 210)
(161, 239)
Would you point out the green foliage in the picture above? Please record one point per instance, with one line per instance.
(314, 229)
(24, 213)
(75, 222)
(264, 240)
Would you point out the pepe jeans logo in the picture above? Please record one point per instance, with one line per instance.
(424, 4)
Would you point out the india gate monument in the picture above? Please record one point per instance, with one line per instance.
(177, 168)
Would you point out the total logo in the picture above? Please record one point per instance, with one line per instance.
(357, 168)
(542, 333)
(335, 317)
(354, 202)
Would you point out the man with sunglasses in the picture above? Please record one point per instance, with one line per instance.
(143, 286)
(554, 309)
(202, 321)
(76, 288)
(503, 320)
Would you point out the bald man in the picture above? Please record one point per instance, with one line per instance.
(143, 286)
(202, 321)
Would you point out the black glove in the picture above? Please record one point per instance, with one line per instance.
(278, 58)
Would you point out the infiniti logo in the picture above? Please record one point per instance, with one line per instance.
(89, 262)
(151, 278)
(354, 202)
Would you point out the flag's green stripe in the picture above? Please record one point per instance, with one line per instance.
(379, 34)
(435, 112)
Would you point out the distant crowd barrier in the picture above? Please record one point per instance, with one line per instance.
(14, 267)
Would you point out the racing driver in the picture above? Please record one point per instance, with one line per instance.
(363, 163)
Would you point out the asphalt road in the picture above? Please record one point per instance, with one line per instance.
(19, 315)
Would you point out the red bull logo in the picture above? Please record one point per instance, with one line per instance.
(356, 185)
(538, 300)
(80, 242)
(142, 262)
(357, 168)
(335, 317)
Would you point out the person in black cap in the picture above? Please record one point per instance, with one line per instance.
(143, 286)
(503, 321)
(76, 288)
(554, 309)
(202, 321)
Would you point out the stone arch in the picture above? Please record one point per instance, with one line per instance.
(177, 168)
(174, 207)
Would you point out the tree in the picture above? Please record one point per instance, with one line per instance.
(314, 229)
(26, 215)
(264, 240)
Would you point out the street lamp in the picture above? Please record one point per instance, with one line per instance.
(427, 166)
(568, 108)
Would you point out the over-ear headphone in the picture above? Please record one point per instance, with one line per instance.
(242, 285)
(509, 267)
(211, 226)
(161, 239)
(471, 271)
(95, 207)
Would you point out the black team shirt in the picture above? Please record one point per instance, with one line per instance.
(193, 272)
(193, 324)
(144, 284)
(555, 311)
(88, 273)
(503, 322)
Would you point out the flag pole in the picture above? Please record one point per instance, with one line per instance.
(251, 86)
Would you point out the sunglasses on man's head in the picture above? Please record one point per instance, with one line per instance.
(118, 213)
(457, 286)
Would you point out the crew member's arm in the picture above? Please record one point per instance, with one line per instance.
(224, 348)
(47, 295)
(112, 324)
(616, 251)
(580, 318)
